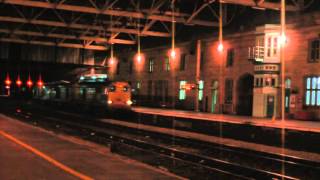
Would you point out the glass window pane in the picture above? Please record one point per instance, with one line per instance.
(314, 83)
(318, 98)
(201, 84)
(200, 95)
(287, 101)
(318, 83)
(313, 98)
(308, 83)
(308, 98)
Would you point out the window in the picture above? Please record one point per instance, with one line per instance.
(312, 92)
(183, 62)
(149, 88)
(167, 64)
(201, 86)
(272, 46)
(138, 85)
(130, 67)
(315, 51)
(228, 91)
(202, 60)
(118, 68)
(151, 65)
(230, 57)
(182, 91)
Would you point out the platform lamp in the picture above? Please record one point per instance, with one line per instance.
(172, 51)
(111, 59)
(220, 46)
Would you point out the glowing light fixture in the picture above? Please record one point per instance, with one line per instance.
(111, 59)
(173, 52)
(220, 47)
(282, 39)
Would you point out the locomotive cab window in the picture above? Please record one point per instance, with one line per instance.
(112, 89)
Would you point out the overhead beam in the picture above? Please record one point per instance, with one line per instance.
(261, 4)
(81, 26)
(47, 43)
(111, 12)
(195, 13)
(64, 36)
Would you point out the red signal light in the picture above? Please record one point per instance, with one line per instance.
(18, 82)
(40, 83)
(7, 82)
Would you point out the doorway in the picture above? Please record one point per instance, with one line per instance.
(214, 96)
(245, 95)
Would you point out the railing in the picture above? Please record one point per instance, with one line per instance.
(256, 53)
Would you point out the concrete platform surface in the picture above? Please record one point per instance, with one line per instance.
(28, 152)
(299, 125)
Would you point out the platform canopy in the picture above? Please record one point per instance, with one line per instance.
(94, 24)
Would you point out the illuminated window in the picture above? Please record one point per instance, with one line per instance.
(272, 46)
(312, 92)
(138, 85)
(275, 46)
(230, 57)
(182, 91)
(228, 91)
(151, 65)
(183, 62)
(167, 64)
(201, 86)
(315, 50)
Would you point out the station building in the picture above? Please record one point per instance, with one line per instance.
(243, 79)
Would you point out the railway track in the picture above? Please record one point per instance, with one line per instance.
(173, 153)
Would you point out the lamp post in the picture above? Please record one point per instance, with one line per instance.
(196, 100)
(282, 58)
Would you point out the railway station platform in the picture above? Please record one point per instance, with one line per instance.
(298, 125)
(292, 134)
(29, 152)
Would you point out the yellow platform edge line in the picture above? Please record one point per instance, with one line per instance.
(46, 157)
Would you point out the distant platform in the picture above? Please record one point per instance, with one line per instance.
(298, 125)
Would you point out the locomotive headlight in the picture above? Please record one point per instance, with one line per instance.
(109, 102)
(129, 102)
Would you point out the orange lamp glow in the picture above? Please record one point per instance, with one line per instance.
(220, 47)
(111, 61)
(173, 53)
(282, 39)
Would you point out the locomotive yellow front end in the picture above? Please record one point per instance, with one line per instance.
(119, 96)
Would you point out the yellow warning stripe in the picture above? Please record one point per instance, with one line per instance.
(46, 157)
